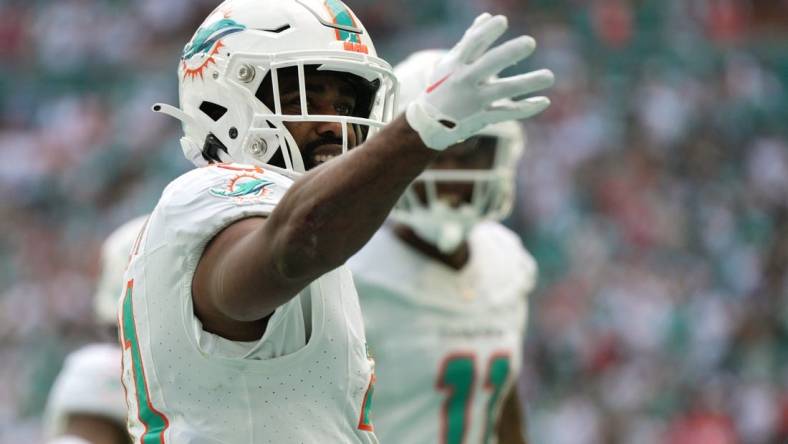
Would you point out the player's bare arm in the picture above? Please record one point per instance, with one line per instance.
(511, 426)
(252, 267)
(257, 264)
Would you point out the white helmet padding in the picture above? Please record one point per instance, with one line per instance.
(115, 253)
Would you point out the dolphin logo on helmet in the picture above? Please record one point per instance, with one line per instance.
(205, 38)
(207, 41)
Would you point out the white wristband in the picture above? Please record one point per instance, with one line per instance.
(434, 134)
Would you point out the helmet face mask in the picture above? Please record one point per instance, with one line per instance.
(287, 80)
(246, 43)
(437, 216)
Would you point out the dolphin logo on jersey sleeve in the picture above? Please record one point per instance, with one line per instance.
(245, 187)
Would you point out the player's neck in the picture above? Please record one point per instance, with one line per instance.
(455, 259)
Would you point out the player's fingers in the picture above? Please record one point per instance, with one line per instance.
(504, 56)
(468, 36)
(483, 17)
(480, 36)
(520, 85)
(521, 109)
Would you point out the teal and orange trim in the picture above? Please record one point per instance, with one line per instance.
(365, 419)
(135, 250)
(236, 167)
(155, 422)
(341, 15)
(498, 378)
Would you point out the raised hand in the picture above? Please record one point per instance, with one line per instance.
(464, 95)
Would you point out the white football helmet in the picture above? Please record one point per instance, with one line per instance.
(115, 253)
(87, 384)
(433, 219)
(242, 48)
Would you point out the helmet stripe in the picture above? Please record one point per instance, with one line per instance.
(341, 15)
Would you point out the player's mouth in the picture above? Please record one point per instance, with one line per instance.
(321, 151)
(453, 200)
(324, 154)
(455, 195)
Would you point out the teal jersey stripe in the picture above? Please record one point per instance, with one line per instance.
(366, 407)
(154, 421)
(456, 377)
(497, 375)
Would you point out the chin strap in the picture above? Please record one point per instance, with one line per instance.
(193, 152)
(448, 237)
(443, 226)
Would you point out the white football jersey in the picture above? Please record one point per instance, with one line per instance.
(89, 383)
(69, 440)
(447, 343)
(307, 380)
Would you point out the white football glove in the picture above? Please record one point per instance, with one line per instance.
(465, 95)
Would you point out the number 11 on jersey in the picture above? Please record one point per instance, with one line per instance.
(457, 379)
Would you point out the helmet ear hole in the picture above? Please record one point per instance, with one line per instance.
(277, 160)
(265, 92)
(213, 110)
(211, 148)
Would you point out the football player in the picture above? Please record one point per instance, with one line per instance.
(443, 291)
(239, 321)
(86, 403)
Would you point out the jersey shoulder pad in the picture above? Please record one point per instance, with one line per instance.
(237, 184)
(203, 201)
(506, 253)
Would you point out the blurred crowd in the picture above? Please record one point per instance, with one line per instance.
(654, 196)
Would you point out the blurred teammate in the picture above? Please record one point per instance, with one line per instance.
(240, 323)
(443, 290)
(86, 403)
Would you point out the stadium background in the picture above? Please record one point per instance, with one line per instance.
(654, 197)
